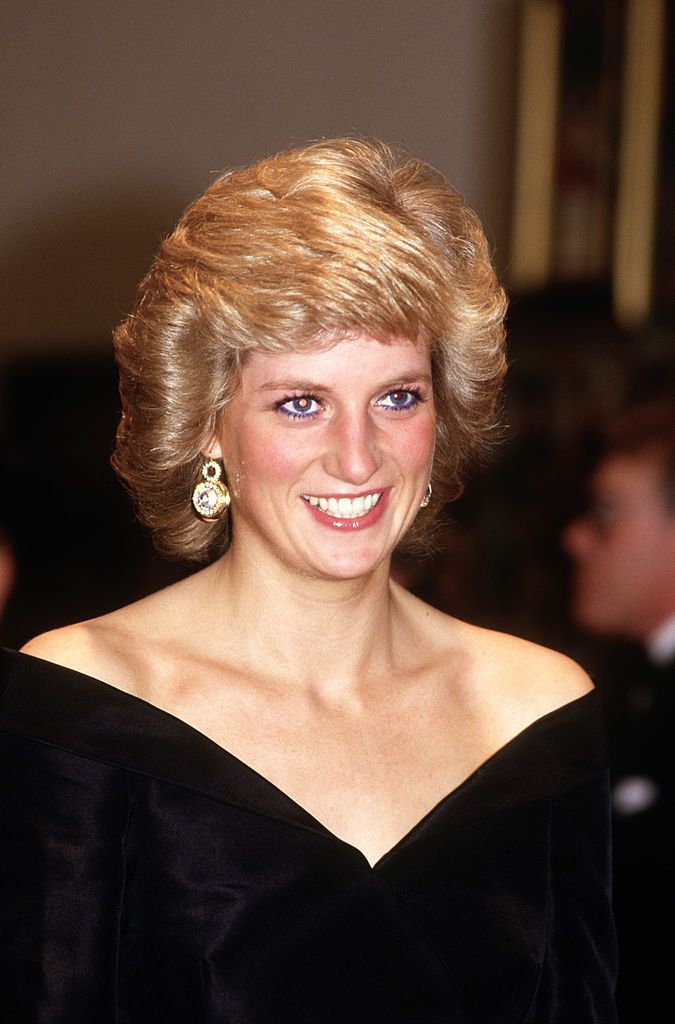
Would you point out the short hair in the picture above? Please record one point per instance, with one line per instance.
(646, 428)
(331, 239)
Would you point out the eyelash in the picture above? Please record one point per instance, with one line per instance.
(414, 399)
(279, 406)
(413, 393)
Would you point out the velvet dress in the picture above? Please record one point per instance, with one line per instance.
(147, 876)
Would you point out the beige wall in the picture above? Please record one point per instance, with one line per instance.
(115, 114)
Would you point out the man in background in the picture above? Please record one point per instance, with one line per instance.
(623, 554)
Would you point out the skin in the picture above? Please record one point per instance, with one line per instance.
(623, 550)
(295, 651)
(372, 436)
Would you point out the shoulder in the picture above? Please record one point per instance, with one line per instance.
(491, 652)
(66, 646)
(122, 648)
(91, 647)
(531, 666)
(513, 680)
(111, 648)
(522, 681)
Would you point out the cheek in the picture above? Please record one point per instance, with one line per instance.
(268, 456)
(619, 564)
(636, 543)
(415, 445)
(281, 461)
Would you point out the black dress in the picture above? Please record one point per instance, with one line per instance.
(149, 876)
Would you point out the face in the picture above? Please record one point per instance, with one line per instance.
(328, 453)
(623, 550)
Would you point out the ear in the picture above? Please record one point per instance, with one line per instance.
(213, 449)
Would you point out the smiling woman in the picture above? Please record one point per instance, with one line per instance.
(338, 239)
(313, 437)
(284, 789)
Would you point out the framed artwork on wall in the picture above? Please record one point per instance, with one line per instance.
(590, 111)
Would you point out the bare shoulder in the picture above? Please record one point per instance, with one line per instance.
(131, 647)
(95, 648)
(512, 681)
(530, 680)
(522, 658)
(69, 646)
(114, 648)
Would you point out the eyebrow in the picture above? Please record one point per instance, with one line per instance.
(303, 384)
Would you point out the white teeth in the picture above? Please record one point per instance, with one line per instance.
(344, 508)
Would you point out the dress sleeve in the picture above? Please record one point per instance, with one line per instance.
(579, 972)
(62, 826)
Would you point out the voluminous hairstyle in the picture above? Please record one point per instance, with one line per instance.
(336, 238)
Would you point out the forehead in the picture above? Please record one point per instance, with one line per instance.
(344, 359)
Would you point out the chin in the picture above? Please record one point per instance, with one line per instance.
(351, 567)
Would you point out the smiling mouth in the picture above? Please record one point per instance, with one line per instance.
(344, 508)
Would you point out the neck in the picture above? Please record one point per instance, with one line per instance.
(328, 635)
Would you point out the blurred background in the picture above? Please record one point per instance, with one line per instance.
(553, 117)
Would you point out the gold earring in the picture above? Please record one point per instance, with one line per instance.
(427, 497)
(210, 497)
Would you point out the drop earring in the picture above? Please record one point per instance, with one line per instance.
(427, 497)
(210, 496)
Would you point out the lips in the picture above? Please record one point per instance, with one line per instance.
(344, 507)
(344, 512)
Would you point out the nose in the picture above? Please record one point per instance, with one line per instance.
(353, 453)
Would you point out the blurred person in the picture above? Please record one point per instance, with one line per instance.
(8, 558)
(7, 569)
(285, 789)
(623, 552)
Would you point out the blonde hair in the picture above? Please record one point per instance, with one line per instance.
(337, 237)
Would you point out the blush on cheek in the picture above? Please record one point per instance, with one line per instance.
(268, 456)
(281, 461)
(416, 445)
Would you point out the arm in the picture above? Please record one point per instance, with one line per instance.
(62, 825)
(579, 972)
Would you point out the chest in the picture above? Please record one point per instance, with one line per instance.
(369, 775)
(273, 896)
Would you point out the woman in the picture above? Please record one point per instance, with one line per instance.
(284, 789)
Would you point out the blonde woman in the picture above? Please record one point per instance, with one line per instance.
(284, 789)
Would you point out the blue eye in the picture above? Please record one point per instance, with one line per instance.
(301, 408)
(401, 399)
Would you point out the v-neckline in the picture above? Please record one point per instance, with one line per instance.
(287, 808)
